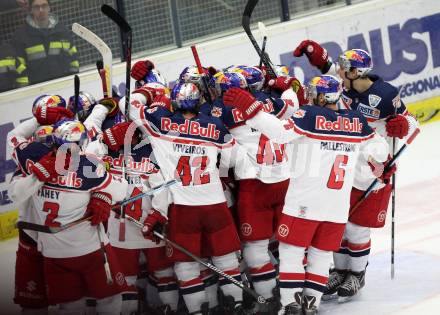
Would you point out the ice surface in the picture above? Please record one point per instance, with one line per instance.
(416, 286)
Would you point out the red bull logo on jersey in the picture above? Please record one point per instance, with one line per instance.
(143, 166)
(190, 128)
(341, 124)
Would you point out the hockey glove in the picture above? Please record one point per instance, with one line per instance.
(380, 171)
(99, 207)
(149, 92)
(397, 126)
(50, 115)
(282, 84)
(44, 169)
(140, 69)
(155, 221)
(162, 101)
(114, 136)
(244, 101)
(316, 54)
(111, 104)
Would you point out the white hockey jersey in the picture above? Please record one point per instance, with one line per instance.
(188, 149)
(327, 147)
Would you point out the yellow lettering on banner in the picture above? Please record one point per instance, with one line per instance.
(426, 111)
(7, 224)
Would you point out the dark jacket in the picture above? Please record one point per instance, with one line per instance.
(49, 53)
(12, 69)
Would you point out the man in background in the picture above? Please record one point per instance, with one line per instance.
(45, 45)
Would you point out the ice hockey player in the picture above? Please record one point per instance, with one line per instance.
(186, 144)
(261, 198)
(142, 174)
(86, 103)
(29, 261)
(74, 186)
(329, 142)
(380, 103)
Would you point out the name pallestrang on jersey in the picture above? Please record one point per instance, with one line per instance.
(341, 124)
(190, 128)
(338, 146)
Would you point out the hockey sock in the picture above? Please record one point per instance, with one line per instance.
(359, 254)
(210, 280)
(73, 308)
(191, 285)
(318, 263)
(341, 258)
(229, 264)
(261, 269)
(292, 273)
(359, 244)
(167, 287)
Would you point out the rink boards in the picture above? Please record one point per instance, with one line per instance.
(400, 35)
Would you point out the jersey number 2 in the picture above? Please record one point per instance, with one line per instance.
(337, 173)
(52, 209)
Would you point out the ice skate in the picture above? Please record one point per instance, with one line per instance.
(351, 286)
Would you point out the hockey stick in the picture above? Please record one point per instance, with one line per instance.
(263, 33)
(126, 34)
(260, 299)
(387, 167)
(245, 22)
(151, 192)
(206, 93)
(76, 84)
(108, 273)
(102, 72)
(23, 225)
(104, 50)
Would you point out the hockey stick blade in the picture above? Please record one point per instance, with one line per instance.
(102, 47)
(49, 229)
(116, 17)
(246, 24)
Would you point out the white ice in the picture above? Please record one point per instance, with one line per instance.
(416, 286)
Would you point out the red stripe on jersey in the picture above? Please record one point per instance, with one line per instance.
(312, 135)
(283, 110)
(190, 283)
(187, 140)
(104, 184)
(285, 276)
(316, 278)
(264, 269)
(358, 247)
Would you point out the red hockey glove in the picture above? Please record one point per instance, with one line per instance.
(162, 101)
(284, 83)
(397, 126)
(99, 207)
(244, 101)
(154, 222)
(50, 115)
(380, 171)
(114, 136)
(140, 69)
(149, 92)
(44, 169)
(111, 104)
(316, 54)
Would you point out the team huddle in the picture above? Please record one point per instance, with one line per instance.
(260, 178)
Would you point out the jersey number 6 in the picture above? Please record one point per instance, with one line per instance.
(337, 173)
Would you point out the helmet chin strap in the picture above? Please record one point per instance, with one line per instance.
(351, 80)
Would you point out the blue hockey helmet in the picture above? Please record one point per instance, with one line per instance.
(68, 131)
(86, 102)
(327, 85)
(356, 58)
(254, 76)
(186, 96)
(223, 81)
